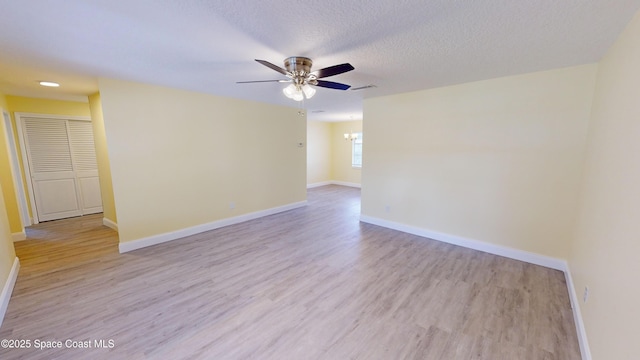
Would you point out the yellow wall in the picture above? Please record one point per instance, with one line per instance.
(7, 252)
(341, 169)
(102, 156)
(46, 106)
(179, 158)
(498, 161)
(318, 152)
(605, 250)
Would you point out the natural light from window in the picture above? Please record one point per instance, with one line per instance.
(356, 151)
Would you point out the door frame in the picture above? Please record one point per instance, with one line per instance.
(16, 173)
(23, 148)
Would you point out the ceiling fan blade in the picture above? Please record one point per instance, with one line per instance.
(332, 85)
(261, 81)
(333, 70)
(272, 66)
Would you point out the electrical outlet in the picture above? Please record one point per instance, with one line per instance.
(232, 205)
(387, 208)
(585, 296)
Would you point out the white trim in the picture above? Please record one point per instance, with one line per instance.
(50, 116)
(110, 223)
(577, 315)
(19, 236)
(25, 157)
(25, 167)
(318, 184)
(500, 250)
(344, 183)
(12, 150)
(5, 296)
(333, 182)
(533, 258)
(178, 234)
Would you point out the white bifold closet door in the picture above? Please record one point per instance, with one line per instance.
(63, 166)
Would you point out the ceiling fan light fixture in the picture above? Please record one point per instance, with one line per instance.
(289, 91)
(308, 91)
(298, 96)
(297, 93)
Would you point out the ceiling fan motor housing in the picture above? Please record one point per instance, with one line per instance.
(298, 65)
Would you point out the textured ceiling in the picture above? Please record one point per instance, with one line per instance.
(206, 46)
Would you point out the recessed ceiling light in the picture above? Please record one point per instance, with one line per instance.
(49, 84)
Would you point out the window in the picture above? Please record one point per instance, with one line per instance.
(356, 151)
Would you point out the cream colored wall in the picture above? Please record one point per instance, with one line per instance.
(498, 161)
(318, 152)
(102, 156)
(341, 169)
(179, 158)
(7, 252)
(605, 249)
(329, 155)
(29, 105)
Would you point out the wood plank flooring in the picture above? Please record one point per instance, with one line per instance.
(311, 283)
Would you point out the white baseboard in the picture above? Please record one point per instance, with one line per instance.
(533, 258)
(109, 223)
(508, 252)
(318, 184)
(5, 296)
(344, 183)
(333, 182)
(178, 234)
(577, 315)
(19, 236)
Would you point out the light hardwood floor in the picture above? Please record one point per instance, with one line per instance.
(311, 283)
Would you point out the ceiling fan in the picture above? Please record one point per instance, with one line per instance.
(298, 71)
